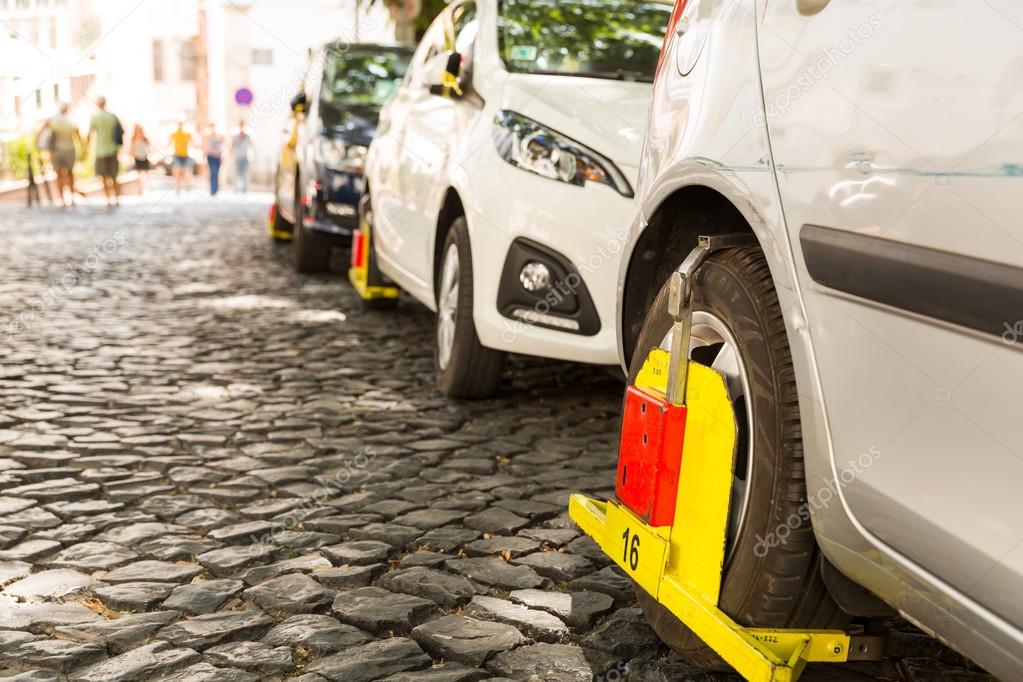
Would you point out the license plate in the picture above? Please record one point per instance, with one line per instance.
(636, 547)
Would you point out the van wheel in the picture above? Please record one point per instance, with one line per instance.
(465, 369)
(310, 253)
(772, 574)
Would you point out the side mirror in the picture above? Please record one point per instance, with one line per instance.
(299, 103)
(443, 72)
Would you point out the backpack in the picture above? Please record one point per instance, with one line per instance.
(118, 132)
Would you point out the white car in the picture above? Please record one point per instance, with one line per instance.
(871, 336)
(501, 178)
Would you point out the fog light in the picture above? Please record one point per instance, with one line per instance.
(535, 276)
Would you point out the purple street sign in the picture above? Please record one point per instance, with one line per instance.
(243, 96)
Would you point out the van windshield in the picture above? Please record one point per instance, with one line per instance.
(360, 79)
(593, 38)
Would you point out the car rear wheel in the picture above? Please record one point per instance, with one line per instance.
(465, 369)
(310, 252)
(738, 330)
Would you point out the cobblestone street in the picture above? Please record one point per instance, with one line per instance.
(212, 468)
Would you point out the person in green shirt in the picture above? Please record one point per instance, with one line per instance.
(104, 126)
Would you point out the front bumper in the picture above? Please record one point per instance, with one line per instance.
(334, 202)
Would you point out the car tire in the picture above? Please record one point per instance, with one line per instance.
(310, 253)
(779, 586)
(465, 369)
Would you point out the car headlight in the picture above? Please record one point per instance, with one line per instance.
(333, 153)
(330, 152)
(533, 147)
(357, 156)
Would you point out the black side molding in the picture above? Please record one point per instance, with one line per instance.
(971, 292)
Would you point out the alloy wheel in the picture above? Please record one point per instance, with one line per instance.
(447, 307)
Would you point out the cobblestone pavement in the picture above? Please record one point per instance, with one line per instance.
(212, 468)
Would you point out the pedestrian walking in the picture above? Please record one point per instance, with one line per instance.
(58, 136)
(140, 151)
(109, 136)
(181, 142)
(241, 154)
(214, 153)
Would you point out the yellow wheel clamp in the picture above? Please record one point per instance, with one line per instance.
(368, 281)
(271, 220)
(668, 528)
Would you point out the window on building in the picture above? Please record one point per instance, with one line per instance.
(262, 56)
(21, 4)
(56, 92)
(39, 99)
(157, 60)
(187, 55)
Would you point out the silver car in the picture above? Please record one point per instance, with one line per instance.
(871, 340)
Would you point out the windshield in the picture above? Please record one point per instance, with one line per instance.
(360, 79)
(594, 38)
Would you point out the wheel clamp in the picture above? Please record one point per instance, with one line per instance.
(668, 529)
(271, 222)
(364, 275)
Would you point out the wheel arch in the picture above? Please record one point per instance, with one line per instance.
(664, 243)
(451, 209)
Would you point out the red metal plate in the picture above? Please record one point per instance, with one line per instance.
(358, 249)
(650, 456)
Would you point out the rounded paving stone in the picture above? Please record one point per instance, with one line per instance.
(133, 596)
(465, 639)
(254, 656)
(154, 571)
(358, 552)
(445, 589)
(292, 593)
(381, 611)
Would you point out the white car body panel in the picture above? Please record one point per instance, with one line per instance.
(926, 108)
(429, 144)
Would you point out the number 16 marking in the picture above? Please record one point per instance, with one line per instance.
(630, 550)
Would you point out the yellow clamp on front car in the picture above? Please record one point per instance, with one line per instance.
(365, 279)
(681, 565)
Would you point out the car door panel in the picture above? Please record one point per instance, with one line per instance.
(926, 446)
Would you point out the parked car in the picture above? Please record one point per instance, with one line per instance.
(319, 177)
(503, 186)
(871, 342)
